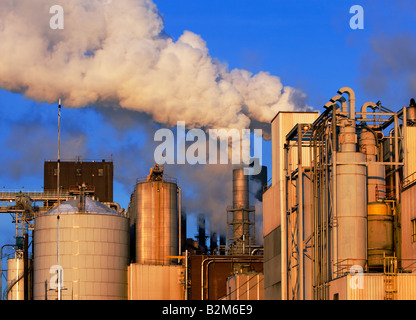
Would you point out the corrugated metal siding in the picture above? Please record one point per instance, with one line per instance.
(410, 166)
(373, 287)
(245, 287)
(406, 287)
(408, 213)
(93, 252)
(155, 282)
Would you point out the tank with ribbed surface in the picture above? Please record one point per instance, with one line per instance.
(92, 252)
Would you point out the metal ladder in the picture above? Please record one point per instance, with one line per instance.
(390, 276)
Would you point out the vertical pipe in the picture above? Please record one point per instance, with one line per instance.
(312, 157)
(284, 232)
(321, 210)
(316, 215)
(396, 182)
(328, 216)
(186, 274)
(18, 282)
(334, 189)
(406, 166)
(58, 199)
(180, 222)
(131, 281)
(26, 268)
(396, 155)
(300, 216)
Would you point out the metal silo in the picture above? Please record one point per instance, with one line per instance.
(154, 207)
(15, 280)
(92, 252)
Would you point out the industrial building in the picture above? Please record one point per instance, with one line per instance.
(98, 175)
(71, 246)
(339, 219)
(338, 222)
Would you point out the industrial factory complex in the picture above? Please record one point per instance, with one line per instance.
(339, 221)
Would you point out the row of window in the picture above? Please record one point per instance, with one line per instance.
(79, 172)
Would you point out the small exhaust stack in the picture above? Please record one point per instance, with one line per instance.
(411, 112)
(81, 203)
(202, 247)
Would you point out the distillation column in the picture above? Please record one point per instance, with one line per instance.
(351, 194)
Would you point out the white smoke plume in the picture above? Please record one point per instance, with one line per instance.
(118, 51)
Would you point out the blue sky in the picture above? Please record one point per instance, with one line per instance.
(308, 44)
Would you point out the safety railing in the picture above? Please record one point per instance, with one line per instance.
(385, 192)
(409, 180)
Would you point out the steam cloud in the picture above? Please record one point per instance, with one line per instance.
(116, 53)
(390, 61)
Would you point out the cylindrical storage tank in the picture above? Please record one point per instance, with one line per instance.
(15, 271)
(157, 232)
(351, 209)
(240, 189)
(93, 252)
(376, 182)
(376, 177)
(380, 241)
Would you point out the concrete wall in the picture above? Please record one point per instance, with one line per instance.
(272, 265)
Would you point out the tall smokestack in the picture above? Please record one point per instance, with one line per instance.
(240, 225)
(240, 189)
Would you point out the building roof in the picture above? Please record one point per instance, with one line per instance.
(91, 207)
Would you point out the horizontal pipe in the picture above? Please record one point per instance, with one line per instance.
(222, 259)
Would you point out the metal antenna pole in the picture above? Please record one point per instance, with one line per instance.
(58, 200)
